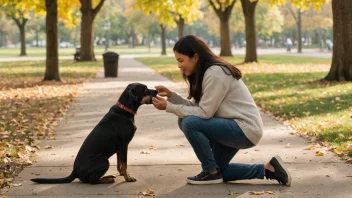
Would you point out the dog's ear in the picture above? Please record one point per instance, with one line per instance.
(132, 94)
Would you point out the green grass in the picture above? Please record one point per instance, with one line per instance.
(289, 88)
(40, 52)
(30, 73)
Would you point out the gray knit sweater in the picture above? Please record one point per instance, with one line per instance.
(223, 96)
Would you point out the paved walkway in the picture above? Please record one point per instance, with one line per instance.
(164, 170)
(313, 53)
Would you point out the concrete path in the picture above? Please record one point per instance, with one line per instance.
(164, 170)
(313, 53)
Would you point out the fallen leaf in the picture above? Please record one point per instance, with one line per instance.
(152, 148)
(319, 153)
(288, 145)
(52, 138)
(256, 193)
(269, 192)
(49, 147)
(232, 193)
(148, 192)
(257, 150)
(145, 152)
(180, 145)
(180, 169)
(310, 147)
(16, 185)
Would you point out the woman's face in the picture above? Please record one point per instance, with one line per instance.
(186, 64)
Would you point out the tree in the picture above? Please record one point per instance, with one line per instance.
(36, 26)
(223, 10)
(20, 12)
(172, 13)
(88, 15)
(251, 41)
(52, 57)
(341, 66)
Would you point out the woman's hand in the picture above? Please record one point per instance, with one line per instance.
(159, 103)
(163, 91)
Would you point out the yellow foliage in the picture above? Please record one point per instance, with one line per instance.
(168, 11)
(302, 4)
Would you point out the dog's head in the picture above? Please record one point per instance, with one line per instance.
(140, 93)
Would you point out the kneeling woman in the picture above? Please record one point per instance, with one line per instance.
(220, 119)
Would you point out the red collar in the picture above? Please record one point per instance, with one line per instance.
(125, 108)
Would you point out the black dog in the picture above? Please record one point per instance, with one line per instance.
(112, 135)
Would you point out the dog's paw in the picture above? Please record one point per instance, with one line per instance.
(131, 179)
(106, 180)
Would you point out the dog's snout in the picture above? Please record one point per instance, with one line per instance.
(151, 92)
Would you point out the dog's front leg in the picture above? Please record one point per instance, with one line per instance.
(123, 161)
(119, 166)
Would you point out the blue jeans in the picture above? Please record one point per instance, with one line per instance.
(215, 142)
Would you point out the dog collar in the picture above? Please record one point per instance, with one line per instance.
(125, 108)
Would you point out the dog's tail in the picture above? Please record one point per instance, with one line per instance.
(68, 179)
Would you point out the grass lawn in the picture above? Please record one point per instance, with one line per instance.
(288, 88)
(29, 108)
(40, 52)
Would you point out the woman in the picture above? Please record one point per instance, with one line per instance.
(221, 118)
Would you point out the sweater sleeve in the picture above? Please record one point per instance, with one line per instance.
(214, 90)
(177, 99)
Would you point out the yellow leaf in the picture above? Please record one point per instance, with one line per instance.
(269, 192)
(257, 193)
(319, 153)
(310, 147)
(148, 192)
(232, 193)
(180, 145)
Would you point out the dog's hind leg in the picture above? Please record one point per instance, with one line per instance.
(99, 166)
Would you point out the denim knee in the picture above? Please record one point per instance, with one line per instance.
(188, 123)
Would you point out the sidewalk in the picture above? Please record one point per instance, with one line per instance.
(313, 53)
(164, 170)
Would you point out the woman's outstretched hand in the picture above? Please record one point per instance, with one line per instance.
(163, 91)
(159, 103)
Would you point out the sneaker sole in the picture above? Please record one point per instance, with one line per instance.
(216, 181)
(278, 158)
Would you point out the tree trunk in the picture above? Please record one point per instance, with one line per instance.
(341, 66)
(87, 45)
(299, 31)
(225, 40)
(21, 26)
(36, 38)
(251, 41)
(87, 29)
(52, 55)
(180, 26)
(163, 40)
(224, 13)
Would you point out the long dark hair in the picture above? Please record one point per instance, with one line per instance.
(190, 45)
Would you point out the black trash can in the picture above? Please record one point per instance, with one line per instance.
(111, 63)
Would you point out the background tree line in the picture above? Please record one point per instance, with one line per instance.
(221, 23)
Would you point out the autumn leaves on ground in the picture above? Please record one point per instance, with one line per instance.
(29, 108)
(289, 88)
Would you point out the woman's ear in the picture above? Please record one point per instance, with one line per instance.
(195, 57)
